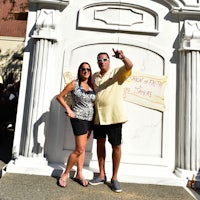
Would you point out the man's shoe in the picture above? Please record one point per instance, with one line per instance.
(115, 186)
(97, 180)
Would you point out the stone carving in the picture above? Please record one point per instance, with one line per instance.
(191, 29)
(113, 16)
(116, 16)
(46, 19)
(191, 35)
(45, 24)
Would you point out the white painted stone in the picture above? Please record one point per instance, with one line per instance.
(82, 29)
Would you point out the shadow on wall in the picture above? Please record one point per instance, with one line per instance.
(38, 147)
(53, 138)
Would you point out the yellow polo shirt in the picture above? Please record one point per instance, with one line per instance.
(109, 108)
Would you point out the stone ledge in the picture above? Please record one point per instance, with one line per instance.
(58, 2)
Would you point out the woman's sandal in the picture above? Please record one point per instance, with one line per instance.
(62, 183)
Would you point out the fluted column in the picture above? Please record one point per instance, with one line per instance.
(188, 135)
(45, 39)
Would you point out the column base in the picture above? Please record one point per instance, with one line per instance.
(29, 165)
(186, 174)
(40, 166)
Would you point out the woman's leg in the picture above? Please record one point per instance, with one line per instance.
(80, 143)
(80, 162)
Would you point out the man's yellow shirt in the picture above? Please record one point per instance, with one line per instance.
(109, 105)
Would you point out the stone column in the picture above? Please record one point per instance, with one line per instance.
(34, 100)
(32, 159)
(188, 118)
(45, 39)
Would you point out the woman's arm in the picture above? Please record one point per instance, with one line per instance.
(61, 98)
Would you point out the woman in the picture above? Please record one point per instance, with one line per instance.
(81, 115)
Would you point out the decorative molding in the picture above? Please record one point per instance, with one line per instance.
(191, 29)
(191, 35)
(187, 7)
(173, 3)
(45, 24)
(58, 2)
(190, 2)
(113, 17)
(186, 11)
(182, 3)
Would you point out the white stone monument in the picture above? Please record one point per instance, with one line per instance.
(160, 37)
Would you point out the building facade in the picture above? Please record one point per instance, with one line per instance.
(161, 38)
(13, 21)
(13, 16)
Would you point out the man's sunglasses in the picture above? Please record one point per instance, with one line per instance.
(85, 69)
(102, 60)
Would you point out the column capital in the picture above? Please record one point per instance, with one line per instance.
(191, 35)
(45, 25)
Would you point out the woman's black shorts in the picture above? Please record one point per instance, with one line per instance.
(81, 127)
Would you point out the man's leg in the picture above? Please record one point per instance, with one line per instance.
(116, 157)
(101, 154)
(100, 135)
(115, 138)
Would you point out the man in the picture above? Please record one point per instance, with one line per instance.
(109, 113)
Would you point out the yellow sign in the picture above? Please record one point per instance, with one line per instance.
(146, 90)
(142, 89)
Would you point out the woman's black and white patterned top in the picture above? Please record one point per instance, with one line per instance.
(82, 102)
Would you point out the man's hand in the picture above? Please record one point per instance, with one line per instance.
(127, 62)
(118, 54)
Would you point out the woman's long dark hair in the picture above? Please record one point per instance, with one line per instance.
(79, 74)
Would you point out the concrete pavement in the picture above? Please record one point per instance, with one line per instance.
(33, 187)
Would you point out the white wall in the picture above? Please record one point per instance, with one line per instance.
(148, 33)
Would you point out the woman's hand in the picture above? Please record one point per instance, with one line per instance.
(70, 113)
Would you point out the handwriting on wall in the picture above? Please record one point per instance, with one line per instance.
(146, 90)
(142, 89)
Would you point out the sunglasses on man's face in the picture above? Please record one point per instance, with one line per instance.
(85, 69)
(102, 60)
